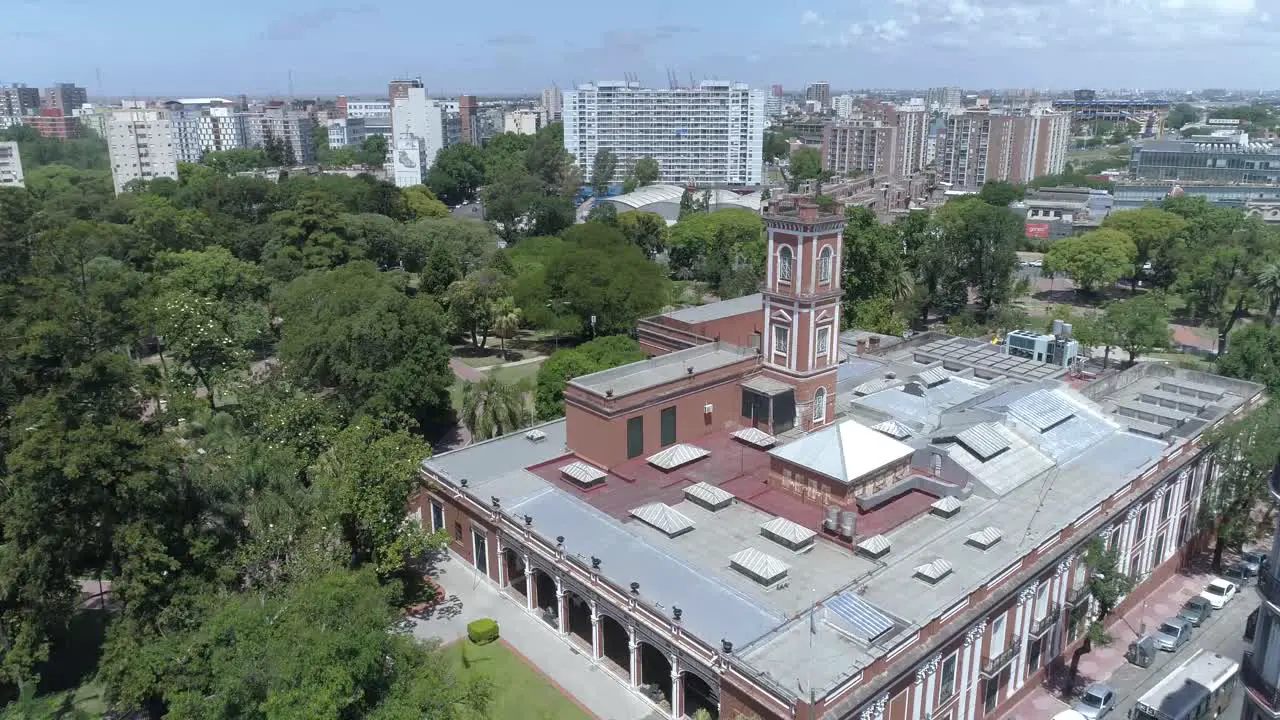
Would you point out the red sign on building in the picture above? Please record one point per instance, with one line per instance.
(1038, 230)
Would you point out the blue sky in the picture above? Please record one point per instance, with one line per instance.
(161, 47)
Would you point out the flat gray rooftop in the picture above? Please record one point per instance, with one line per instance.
(1062, 451)
(718, 310)
(662, 369)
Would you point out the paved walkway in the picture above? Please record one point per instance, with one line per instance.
(1107, 664)
(515, 363)
(465, 371)
(468, 596)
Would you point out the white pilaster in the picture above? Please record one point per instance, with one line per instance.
(528, 583)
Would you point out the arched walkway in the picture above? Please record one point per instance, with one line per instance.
(698, 695)
(655, 675)
(544, 595)
(615, 644)
(513, 567)
(578, 622)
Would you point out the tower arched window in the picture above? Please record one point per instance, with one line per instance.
(820, 405)
(784, 264)
(825, 265)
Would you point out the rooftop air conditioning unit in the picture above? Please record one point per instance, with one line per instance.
(706, 409)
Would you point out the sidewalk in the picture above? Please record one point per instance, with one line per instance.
(1100, 664)
(468, 596)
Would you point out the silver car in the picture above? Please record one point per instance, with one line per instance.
(1096, 702)
(1173, 634)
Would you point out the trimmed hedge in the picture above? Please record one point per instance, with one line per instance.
(482, 631)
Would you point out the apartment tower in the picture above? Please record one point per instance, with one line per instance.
(140, 144)
(709, 134)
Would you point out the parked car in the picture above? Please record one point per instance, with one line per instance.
(1219, 592)
(1096, 702)
(1238, 573)
(1196, 611)
(1173, 634)
(1254, 561)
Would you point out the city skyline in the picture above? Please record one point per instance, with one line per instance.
(354, 47)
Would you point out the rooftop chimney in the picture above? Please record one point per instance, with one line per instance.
(861, 345)
(808, 212)
(874, 342)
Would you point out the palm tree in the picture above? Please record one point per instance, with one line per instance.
(506, 321)
(902, 285)
(1267, 283)
(491, 408)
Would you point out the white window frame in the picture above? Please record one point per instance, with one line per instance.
(820, 404)
(825, 262)
(782, 340)
(786, 264)
(823, 332)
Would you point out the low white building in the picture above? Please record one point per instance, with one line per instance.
(522, 122)
(10, 165)
(141, 146)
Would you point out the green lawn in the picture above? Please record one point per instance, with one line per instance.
(519, 692)
(516, 374)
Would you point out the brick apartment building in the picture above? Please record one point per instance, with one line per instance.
(769, 520)
(982, 146)
(881, 139)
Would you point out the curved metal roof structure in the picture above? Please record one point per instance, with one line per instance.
(664, 200)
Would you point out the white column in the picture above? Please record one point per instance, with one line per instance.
(1059, 597)
(917, 696)
(930, 687)
(973, 643)
(677, 689)
(1022, 627)
(528, 583)
(597, 643)
(635, 656)
(561, 621)
(502, 564)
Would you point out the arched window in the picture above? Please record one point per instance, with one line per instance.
(824, 265)
(820, 405)
(784, 265)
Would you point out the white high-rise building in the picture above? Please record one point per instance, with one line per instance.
(522, 122)
(553, 103)
(140, 144)
(10, 165)
(294, 128)
(204, 125)
(417, 132)
(845, 106)
(711, 134)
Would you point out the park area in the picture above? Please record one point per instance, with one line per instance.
(520, 691)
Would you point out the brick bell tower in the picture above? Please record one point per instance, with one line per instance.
(802, 306)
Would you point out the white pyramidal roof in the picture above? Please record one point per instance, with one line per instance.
(793, 533)
(663, 517)
(844, 452)
(934, 571)
(933, 376)
(677, 455)
(986, 537)
(760, 566)
(583, 473)
(874, 386)
(893, 429)
(946, 505)
(708, 493)
(756, 436)
(875, 545)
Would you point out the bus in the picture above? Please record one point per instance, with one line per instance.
(1199, 689)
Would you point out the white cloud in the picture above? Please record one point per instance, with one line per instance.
(809, 17)
(1075, 25)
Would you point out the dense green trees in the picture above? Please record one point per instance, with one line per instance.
(352, 330)
(1095, 260)
(724, 248)
(457, 173)
(599, 354)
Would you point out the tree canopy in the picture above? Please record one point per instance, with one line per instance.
(1095, 260)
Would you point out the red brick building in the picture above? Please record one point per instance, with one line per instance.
(772, 525)
(51, 123)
